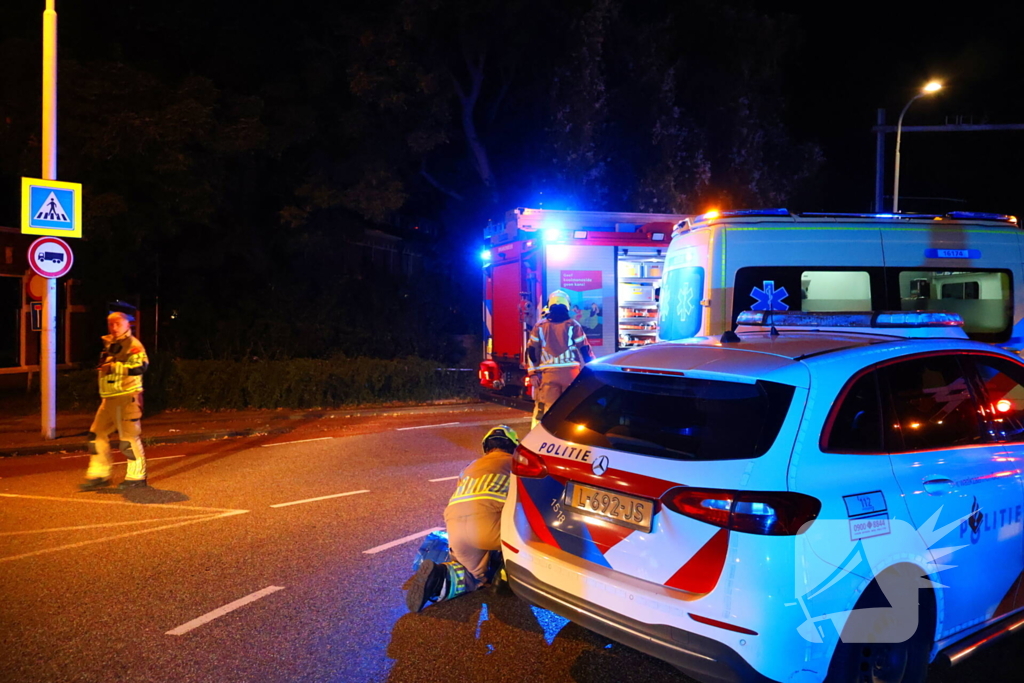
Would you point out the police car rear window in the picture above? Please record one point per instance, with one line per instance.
(673, 417)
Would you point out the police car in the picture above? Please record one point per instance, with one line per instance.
(812, 497)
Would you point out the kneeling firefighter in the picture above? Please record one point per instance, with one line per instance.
(473, 521)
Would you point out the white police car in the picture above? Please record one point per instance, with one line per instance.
(840, 500)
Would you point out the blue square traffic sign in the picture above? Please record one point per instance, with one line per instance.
(51, 207)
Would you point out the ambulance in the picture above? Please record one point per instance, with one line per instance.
(720, 264)
(609, 263)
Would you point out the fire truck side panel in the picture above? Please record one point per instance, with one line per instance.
(507, 340)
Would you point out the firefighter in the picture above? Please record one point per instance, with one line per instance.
(473, 521)
(120, 377)
(557, 350)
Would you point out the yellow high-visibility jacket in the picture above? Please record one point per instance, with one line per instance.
(127, 360)
(484, 482)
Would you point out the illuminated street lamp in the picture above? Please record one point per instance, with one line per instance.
(931, 87)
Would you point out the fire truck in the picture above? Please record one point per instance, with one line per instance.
(610, 264)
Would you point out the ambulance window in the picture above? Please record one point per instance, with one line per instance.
(844, 290)
(983, 298)
(1002, 387)
(933, 404)
(856, 425)
(806, 288)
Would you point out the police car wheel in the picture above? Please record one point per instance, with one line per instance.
(887, 662)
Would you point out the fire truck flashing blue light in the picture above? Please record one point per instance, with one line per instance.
(485, 254)
(553, 234)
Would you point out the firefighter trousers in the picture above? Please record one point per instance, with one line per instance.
(123, 414)
(471, 538)
(553, 381)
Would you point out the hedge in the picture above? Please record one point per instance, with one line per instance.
(297, 383)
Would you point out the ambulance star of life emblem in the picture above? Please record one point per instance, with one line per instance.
(600, 465)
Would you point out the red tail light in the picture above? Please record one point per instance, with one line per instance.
(526, 463)
(767, 513)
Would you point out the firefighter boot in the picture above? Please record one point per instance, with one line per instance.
(428, 584)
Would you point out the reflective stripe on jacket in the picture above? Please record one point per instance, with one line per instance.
(488, 487)
(127, 360)
(484, 482)
(559, 343)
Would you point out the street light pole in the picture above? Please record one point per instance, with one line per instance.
(48, 352)
(932, 87)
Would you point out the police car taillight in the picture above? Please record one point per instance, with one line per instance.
(526, 463)
(767, 513)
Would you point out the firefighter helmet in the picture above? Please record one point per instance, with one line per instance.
(499, 438)
(558, 296)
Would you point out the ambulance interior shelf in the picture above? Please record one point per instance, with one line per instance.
(639, 284)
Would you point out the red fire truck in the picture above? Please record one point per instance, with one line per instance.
(610, 264)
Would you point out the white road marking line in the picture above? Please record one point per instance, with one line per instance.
(97, 526)
(444, 424)
(70, 546)
(392, 544)
(221, 611)
(495, 423)
(285, 443)
(444, 478)
(310, 500)
(162, 457)
(98, 502)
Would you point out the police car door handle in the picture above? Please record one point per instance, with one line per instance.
(938, 486)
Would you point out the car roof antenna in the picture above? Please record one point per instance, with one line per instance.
(771, 319)
(729, 337)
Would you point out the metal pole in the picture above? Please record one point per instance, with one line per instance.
(880, 163)
(48, 359)
(896, 171)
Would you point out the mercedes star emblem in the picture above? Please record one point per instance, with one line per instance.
(600, 465)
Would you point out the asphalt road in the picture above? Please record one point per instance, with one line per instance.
(138, 587)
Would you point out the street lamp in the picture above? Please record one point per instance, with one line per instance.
(931, 87)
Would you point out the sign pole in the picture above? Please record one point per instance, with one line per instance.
(48, 354)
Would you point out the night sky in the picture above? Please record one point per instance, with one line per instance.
(853, 59)
(243, 148)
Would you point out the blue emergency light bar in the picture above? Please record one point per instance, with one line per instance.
(980, 216)
(876, 319)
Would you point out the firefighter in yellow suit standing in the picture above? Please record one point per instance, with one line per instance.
(120, 378)
(557, 351)
(473, 521)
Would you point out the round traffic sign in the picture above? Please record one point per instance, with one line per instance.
(50, 257)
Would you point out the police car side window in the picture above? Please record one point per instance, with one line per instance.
(933, 404)
(856, 424)
(1002, 397)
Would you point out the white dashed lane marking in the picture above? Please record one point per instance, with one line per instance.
(444, 478)
(221, 611)
(443, 424)
(285, 443)
(311, 500)
(400, 541)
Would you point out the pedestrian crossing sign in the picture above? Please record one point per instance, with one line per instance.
(51, 207)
